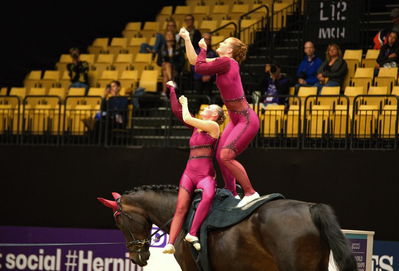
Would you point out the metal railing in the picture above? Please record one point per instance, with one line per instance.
(289, 122)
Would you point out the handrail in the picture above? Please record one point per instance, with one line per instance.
(250, 12)
(224, 26)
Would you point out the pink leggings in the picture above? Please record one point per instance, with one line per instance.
(237, 135)
(187, 186)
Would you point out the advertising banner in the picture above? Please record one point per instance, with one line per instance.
(71, 249)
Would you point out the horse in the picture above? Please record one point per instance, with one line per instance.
(280, 235)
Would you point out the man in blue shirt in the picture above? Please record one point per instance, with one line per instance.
(307, 70)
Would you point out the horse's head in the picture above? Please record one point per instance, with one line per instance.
(135, 225)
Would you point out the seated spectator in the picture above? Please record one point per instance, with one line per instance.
(78, 71)
(274, 83)
(113, 108)
(160, 39)
(307, 70)
(333, 70)
(195, 34)
(389, 53)
(203, 84)
(171, 59)
(381, 37)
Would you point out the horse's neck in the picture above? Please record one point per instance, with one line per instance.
(159, 207)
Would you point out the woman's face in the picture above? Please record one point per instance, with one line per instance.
(209, 112)
(114, 89)
(224, 47)
(333, 51)
(169, 36)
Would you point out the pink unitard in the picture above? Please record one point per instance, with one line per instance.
(199, 173)
(244, 122)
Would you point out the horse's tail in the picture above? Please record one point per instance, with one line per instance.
(324, 218)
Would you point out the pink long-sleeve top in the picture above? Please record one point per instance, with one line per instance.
(227, 72)
(201, 143)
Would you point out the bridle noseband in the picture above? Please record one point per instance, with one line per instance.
(137, 243)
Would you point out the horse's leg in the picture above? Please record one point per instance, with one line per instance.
(183, 254)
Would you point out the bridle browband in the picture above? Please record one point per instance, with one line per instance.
(138, 243)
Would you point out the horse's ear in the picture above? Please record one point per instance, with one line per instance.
(116, 195)
(109, 203)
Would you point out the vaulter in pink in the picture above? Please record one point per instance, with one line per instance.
(244, 122)
(199, 172)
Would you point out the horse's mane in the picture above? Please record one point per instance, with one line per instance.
(154, 187)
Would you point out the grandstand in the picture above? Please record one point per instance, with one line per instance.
(60, 152)
(362, 115)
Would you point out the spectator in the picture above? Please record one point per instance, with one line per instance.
(381, 37)
(274, 84)
(171, 59)
(389, 53)
(195, 34)
(307, 70)
(333, 70)
(78, 71)
(160, 39)
(204, 83)
(113, 108)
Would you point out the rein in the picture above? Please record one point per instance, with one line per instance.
(140, 243)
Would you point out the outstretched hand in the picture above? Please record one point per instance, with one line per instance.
(171, 84)
(184, 33)
(202, 44)
(183, 100)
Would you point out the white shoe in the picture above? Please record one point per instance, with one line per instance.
(194, 241)
(169, 249)
(247, 199)
(237, 197)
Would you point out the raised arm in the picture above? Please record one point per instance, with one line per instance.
(190, 51)
(209, 126)
(174, 103)
(219, 65)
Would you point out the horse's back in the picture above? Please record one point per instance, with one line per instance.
(279, 235)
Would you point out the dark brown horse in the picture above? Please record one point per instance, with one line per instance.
(281, 235)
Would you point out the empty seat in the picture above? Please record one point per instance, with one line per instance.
(363, 77)
(330, 91)
(134, 44)
(60, 92)
(200, 12)
(387, 121)
(104, 62)
(129, 79)
(33, 79)
(220, 12)
(96, 92)
(208, 25)
(150, 28)
(273, 120)
(123, 62)
(62, 63)
(365, 121)
(386, 77)
(20, 92)
(37, 91)
(238, 9)
(181, 12)
(378, 90)
(131, 29)
(395, 90)
(165, 13)
(106, 78)
(3, 91)
(118, 46)
(370, 60)
(76, 92)
(89, 58)
(149, 80)
(50, 78)
(141, 60)
(99, 45)
(353, 59)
